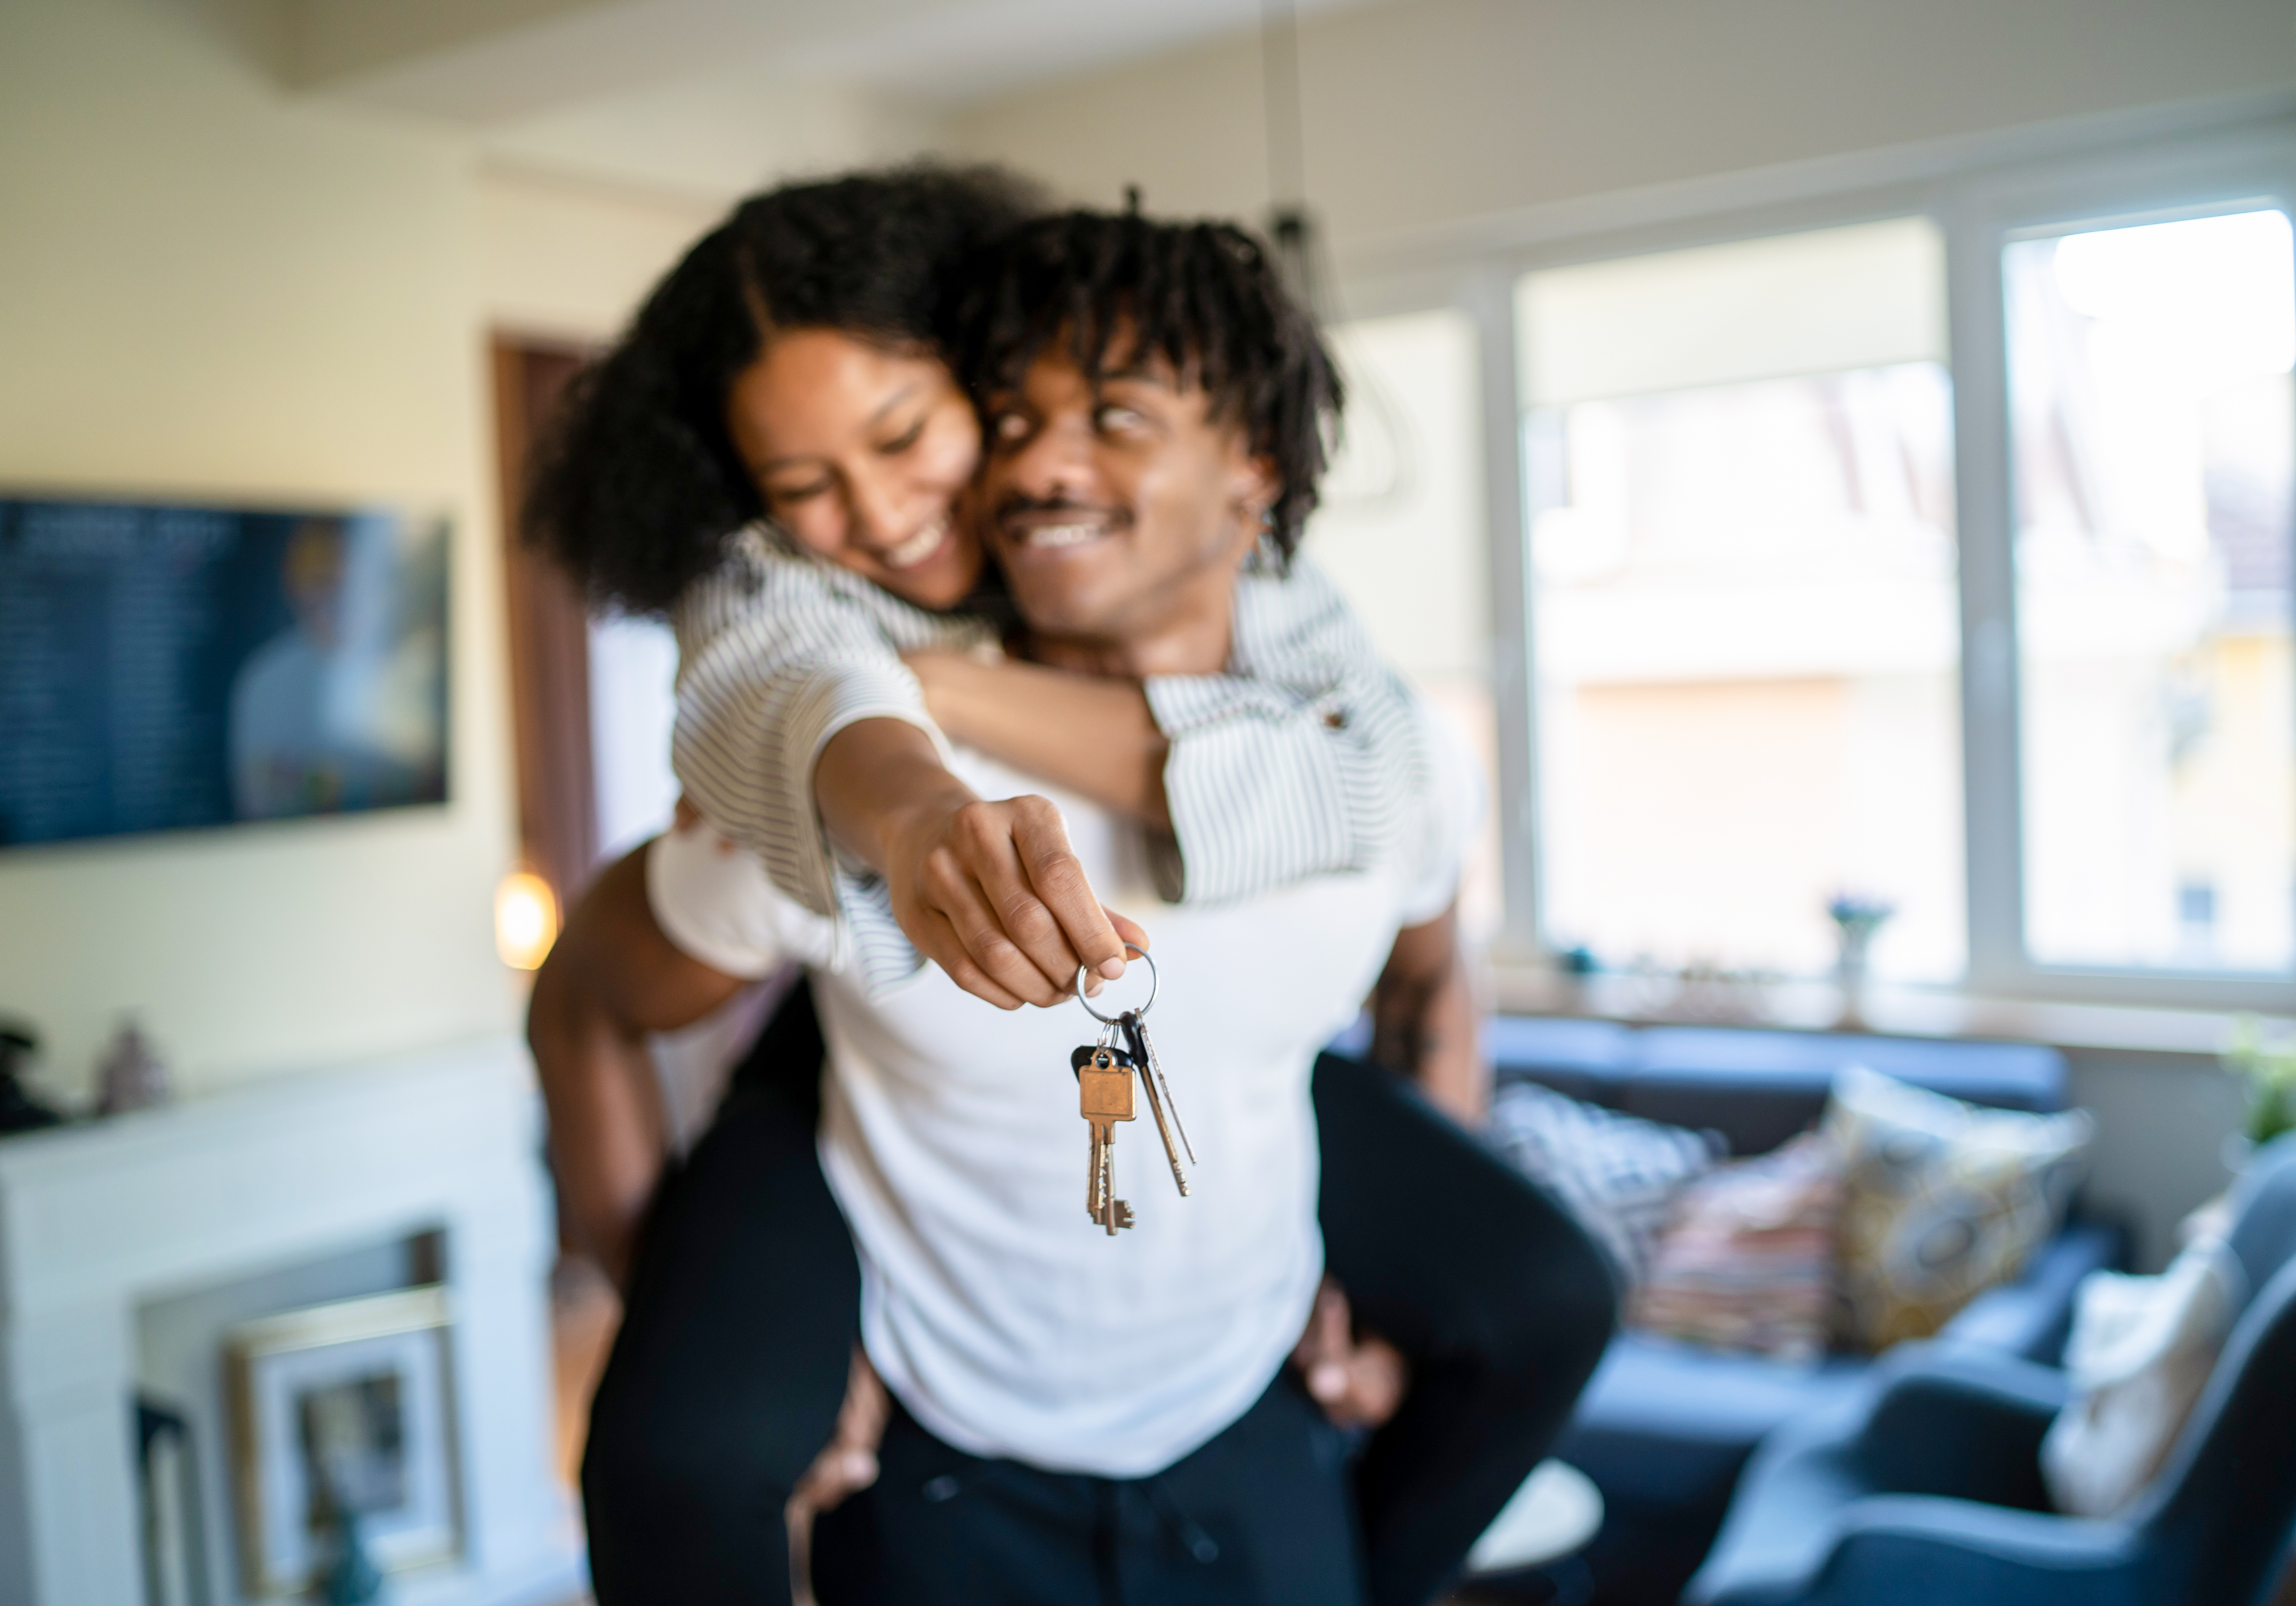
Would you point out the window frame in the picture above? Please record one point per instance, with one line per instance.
(1980, 193)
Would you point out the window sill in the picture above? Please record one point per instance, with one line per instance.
(1890, 1010)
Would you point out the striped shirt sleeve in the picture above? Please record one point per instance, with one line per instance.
(777, 652)
(1303, 760)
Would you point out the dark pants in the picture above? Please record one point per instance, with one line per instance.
(731, 1365)
(1260, 1515)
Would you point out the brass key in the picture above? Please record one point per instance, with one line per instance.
(1104, 1098)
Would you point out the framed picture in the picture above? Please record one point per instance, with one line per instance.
(343, 1409)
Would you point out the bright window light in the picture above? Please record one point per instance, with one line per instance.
(1746, 626)
(2153, 444)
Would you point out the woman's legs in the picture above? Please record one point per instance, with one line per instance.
(730, 1363)
(1500, 1302)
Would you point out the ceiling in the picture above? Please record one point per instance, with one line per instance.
(494, 61)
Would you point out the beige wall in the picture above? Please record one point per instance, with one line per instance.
(214, 290)
(1421, 111)
(569, 258)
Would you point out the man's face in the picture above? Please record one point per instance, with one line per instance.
(1118, 505)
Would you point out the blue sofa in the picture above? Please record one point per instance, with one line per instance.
(1664, 1429)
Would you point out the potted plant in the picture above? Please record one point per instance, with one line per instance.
(2267, 1069)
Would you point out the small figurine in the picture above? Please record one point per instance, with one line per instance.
(19, 1110)
(130, 1075)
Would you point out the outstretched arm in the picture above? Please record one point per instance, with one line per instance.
(611, 978)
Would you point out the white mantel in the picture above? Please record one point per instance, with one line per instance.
(96, 1220)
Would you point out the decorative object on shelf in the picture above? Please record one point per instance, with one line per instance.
(1716, 995)
(2267, 1069)
(130, 1075)
(343, 1443)
(19, 1110)
(1856, 918)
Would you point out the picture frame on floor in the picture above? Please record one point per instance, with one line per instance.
(342, 1423)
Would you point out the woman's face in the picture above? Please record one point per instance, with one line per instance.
(861, 454)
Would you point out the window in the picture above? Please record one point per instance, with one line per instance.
(1943, 560)
(2153, 440)
(1739, 517)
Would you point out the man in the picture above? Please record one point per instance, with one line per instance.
(1075, 1418)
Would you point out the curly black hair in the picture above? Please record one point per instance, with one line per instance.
(1206, 297)
(636, 487)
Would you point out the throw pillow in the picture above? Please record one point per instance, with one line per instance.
(1747, 1259)
(1617, 1173)
(1945, 1199)
(2140, 1352)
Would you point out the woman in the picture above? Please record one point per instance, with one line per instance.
(852, 423)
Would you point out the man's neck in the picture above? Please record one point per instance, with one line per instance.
(1194, 640)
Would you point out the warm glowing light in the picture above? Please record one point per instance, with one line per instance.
(526, 920)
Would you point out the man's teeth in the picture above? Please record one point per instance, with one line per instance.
(1062, 535)
(918, 547)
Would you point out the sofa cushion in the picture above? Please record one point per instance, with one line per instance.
(1618, 1175)
(2142, 1350)
(1945, 1199)
(1747, 1259)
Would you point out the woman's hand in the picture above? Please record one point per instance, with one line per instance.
(1358, 1379)
(992, 893)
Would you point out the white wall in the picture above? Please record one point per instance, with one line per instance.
(1423, 111)
(215, 290)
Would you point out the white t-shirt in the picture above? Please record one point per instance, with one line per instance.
(1006, 1321)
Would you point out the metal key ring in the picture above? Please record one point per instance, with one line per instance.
(1085, 972)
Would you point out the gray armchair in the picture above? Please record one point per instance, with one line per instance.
(1925, 1486)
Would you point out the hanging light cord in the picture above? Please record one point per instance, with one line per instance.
(1279, 60)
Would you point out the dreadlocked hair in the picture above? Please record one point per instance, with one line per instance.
(635, 486)
(1205, 297)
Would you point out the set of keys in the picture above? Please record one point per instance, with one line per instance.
(1104, 1072)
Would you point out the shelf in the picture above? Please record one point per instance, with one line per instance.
(1893, 1011)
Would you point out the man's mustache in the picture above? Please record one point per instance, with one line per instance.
(1017, 505)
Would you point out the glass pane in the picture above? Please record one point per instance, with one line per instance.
(2150, 382)
(1748, 655)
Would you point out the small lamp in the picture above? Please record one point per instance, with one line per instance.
(526, 920)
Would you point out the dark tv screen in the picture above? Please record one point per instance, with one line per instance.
(168, 667)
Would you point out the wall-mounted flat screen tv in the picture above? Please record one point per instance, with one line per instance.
(165, 666)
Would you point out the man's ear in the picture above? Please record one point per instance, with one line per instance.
(1255, 485)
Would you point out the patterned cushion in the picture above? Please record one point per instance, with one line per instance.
(1944, 1200)
(1747, 1260)
(1616, 1173)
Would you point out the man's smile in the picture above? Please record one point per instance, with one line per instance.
(1058, 528)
